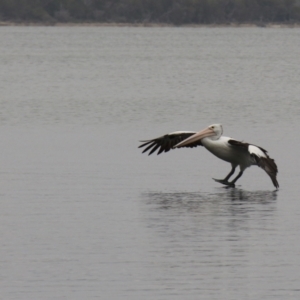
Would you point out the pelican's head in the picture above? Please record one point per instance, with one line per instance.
(217, 129)
(213, 131)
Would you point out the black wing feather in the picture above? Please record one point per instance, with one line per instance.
(166, 142)
(268, 164)
(156, 146)
(149, 147)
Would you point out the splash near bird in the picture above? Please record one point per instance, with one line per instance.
(236, 153)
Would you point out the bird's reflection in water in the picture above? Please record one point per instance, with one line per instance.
(227, 212)
(197, 201)
(251, 196)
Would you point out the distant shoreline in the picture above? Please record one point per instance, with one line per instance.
(112, 24)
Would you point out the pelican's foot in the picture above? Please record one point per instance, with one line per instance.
(225, 182)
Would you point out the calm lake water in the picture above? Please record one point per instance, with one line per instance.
(84, 215)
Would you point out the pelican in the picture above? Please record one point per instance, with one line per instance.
(235, 152)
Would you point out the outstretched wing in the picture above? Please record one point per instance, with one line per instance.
(166, 142)
(261, 158)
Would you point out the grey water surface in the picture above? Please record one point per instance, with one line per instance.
(84, 215)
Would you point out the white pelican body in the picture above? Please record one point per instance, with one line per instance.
(223, 150)
(220, 148)
(236, 153)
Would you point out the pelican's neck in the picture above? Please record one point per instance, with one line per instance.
(213, 141)
(214, 137)
(218, 147)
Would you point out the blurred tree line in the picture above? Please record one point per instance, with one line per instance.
(151, 11)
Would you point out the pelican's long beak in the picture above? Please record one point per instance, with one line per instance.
(196, 137)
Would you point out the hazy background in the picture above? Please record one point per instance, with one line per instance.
(177, 12)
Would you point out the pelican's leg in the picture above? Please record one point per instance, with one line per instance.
(225, 180)
(232, 183)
